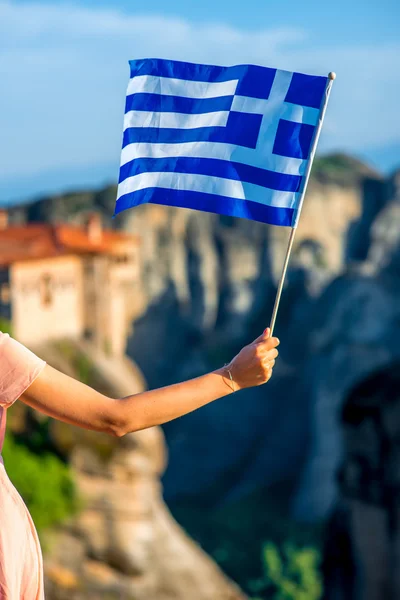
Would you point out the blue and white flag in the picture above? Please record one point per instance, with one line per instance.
(229, 140)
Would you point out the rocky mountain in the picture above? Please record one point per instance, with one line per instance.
(210, 283)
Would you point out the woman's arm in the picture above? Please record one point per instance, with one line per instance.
(66, 399)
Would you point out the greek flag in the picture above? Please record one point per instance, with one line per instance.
(235, 141)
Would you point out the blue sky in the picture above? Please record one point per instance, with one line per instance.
(63, 74)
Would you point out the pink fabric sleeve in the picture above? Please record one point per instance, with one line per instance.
(19, 367)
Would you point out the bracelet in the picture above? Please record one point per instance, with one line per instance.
(230, 377)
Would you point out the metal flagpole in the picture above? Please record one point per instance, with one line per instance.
(331, 77)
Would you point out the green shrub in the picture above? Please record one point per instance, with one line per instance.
(5, 326)
(290, 574)
(44, 482)
(80, 362)
(235, 535)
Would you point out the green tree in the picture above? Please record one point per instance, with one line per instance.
(44, 482)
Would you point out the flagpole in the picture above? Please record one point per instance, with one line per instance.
(328, 88)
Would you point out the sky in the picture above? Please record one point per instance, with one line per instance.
(64, 72)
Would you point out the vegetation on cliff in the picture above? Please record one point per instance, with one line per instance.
(341, 169)
(44, 482)
(259, 545)
(34, 462)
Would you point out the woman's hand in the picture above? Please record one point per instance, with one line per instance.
(254, 363)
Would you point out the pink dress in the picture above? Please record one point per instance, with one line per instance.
(21, 567)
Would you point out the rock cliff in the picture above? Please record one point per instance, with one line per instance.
(364, 301)
(210, 282)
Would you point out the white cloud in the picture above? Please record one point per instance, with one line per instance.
(63, 72)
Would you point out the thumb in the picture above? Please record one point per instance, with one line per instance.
(264, 336)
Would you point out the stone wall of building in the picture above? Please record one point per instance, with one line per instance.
(47, 299)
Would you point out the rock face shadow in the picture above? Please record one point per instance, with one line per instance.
(361, 552)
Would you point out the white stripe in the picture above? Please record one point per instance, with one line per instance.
(271, 118)
(249, 105)
(179, 87)
(291, 112)
(209, 185)
(281, 164)
(161, 120)
(300, 114)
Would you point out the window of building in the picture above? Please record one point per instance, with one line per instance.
(122, 259)
(5, 294)
(46, 290)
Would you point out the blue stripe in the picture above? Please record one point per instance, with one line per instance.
(306, 90)
(177, 104)
(231, 207)
(254, 81)
(242, 129)
(213, 167)
(293, 139)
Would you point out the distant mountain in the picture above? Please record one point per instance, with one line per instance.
(384, 158)
(17, 190)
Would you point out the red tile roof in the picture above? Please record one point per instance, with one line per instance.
(36, 241)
